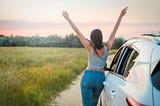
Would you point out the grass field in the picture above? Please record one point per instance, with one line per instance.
(31, 76)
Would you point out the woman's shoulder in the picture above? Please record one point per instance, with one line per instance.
(105, 45)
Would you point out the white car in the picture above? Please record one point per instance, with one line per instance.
(133, 78)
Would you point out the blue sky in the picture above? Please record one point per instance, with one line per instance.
(43, 17)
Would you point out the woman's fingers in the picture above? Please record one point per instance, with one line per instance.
(123, 12)
(65, 14)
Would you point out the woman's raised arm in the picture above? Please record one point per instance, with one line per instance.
(83, 40)
(112, 35)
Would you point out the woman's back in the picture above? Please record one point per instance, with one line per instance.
(99, 52)
(97, 58)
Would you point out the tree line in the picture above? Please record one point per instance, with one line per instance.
(36, 41)
(70, 40)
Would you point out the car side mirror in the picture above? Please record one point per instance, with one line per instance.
(107, 69)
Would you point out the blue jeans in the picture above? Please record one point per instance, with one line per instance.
(91, 87)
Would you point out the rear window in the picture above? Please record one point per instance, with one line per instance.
(156, 76)
(127, 61)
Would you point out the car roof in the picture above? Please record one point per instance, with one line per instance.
(152, 39)
(148, 46)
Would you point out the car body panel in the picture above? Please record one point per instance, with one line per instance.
(114, 92)
(156, 97)
(155, 57)
(137, 84)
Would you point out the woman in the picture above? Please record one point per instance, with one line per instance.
(93, 76)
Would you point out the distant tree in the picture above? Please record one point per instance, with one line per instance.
(2, 35)
(72, 41)
(54, 40)
(118, 42)
(149, 35)
(2, 40)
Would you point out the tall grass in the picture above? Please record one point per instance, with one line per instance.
(31, 76)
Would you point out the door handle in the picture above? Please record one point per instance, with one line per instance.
(113, 94)
(105, 83)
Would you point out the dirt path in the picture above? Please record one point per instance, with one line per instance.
(72, 96)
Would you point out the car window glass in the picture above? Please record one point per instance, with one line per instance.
(115, 60)
(130, 62)
(126, 61)
(156, 76)
(123, 61)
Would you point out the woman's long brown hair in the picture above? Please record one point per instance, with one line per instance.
(96, 40)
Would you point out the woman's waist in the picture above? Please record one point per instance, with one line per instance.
(95, 69)
(97, 65)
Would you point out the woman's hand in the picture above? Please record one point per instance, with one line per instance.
(123, 12)
(65, 15)
(75, 28)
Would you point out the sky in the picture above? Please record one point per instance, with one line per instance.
(44, 17)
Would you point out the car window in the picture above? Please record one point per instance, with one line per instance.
(130, 62)
(126, 61)
(123, 61)
(115, 59)
(156, 76)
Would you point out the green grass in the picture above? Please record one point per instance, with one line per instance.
(31, 76)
